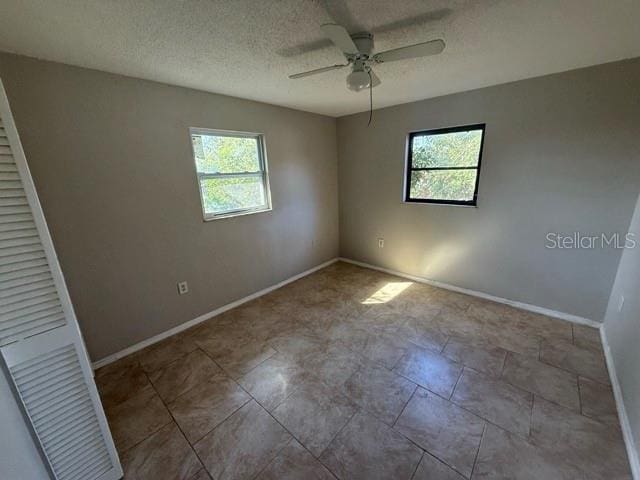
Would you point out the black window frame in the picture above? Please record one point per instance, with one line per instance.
(409, 165)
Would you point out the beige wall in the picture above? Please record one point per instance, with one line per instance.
(622, 328)
(561, 155)
(111, 159)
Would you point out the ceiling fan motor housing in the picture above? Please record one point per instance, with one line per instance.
(364, 42)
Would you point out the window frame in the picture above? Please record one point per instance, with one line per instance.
(262, 173)
(409, 165)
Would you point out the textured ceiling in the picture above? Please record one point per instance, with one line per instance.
(246, 48)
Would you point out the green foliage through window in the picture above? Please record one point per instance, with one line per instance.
(218, 154)
(458, 185)
(444, 165)
(231, 172)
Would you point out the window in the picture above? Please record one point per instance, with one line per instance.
(232, 172)
(443, 166)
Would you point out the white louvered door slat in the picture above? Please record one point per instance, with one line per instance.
(40, 341)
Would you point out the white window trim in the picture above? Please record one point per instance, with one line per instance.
(264, 172)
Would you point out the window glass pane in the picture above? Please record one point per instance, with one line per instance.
(221, 194)
(443, 184)
(220, 154)
(457, 149)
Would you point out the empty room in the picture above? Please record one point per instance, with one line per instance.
(319, 239)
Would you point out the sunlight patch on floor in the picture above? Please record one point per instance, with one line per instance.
(387, 293)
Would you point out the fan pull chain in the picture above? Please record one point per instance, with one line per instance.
(370, 98)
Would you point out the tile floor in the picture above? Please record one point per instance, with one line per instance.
(354, 374)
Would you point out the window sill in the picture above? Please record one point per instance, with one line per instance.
(241, 213)
(441, 203)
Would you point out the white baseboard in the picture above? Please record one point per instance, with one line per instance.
(627, 432)
(161, 336)
(523, 306)
(184, 326)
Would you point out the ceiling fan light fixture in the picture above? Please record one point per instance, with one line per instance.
(358, 80)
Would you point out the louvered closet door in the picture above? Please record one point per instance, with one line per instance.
(39, 337)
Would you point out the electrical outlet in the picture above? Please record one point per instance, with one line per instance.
(381, 243)
(620, 303)
(183, 288)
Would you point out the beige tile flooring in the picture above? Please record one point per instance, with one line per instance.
(354, 374)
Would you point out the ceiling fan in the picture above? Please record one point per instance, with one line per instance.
(358, 51)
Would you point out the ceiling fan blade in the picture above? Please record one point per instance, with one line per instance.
(375, 81)
(340, 37)
(433, 47)
(316, 71)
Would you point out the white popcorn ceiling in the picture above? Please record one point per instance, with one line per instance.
(247, 48)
